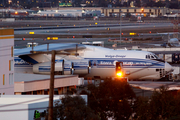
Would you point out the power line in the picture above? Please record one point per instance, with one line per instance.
(23, 102)
(13, 110)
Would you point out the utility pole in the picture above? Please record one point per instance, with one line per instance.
(32, 46)
(51, 88)
(51, 91)
(120, 24)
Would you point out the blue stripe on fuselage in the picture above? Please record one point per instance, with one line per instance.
(109, 63)
(44, 68)
(127, 63)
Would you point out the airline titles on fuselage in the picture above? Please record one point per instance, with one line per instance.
(115, 56)
(113, 63)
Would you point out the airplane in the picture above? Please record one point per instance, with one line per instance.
(92, 61)
(171, 42)
(171, 15)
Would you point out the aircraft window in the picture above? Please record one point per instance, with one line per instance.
(152, 57)
(156, 56)
(148, 56)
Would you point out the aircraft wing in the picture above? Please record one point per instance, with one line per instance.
(168, 33)
(34, 58)
(56, 46)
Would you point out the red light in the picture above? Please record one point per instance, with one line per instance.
(149, 31)
(121, 33)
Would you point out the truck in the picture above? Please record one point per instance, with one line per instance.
(168, 58)
(173, 58)
(175, 75)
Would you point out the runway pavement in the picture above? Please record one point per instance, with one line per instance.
(146, 88)
(79, 28)
(151, 85)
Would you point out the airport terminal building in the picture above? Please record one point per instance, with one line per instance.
(147, 10)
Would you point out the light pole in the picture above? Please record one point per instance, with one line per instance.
(120, 24)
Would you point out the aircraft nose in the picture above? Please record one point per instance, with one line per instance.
(168, 67)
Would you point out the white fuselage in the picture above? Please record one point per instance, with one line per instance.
(136, 64)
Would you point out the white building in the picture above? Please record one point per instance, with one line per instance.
(6, 62)
(67, 13)
(22, 107)
(57, 13)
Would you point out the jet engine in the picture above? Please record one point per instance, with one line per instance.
(61, 68)
(68, 68)
(82, 66)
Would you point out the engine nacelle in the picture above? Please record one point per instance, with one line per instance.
(45, 68)
(68, 68)
(81, 67)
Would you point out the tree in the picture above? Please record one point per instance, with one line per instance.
(141, 108)
(111, 99)
(73, 108)
(161, 105)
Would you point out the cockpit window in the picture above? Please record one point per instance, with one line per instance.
(156, 56)
(152, 56)
(147, 56)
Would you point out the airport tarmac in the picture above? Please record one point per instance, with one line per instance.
(151, 85)
(146, 88)
(140, 87)
(98, 32)
(132, 27)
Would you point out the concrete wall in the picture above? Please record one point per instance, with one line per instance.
(61, 81)
(6, 61)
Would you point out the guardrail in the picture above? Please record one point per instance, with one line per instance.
(131, 19)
